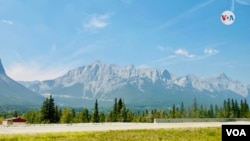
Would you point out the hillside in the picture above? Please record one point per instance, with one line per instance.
(13, 93)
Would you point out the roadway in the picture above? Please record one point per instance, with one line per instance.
(93, 127)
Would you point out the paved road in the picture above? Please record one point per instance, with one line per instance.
(91, 127)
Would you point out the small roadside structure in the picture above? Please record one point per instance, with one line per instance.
(14, 121)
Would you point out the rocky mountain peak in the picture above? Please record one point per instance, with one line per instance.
(165, 74)
(223, 74)
(97, 63)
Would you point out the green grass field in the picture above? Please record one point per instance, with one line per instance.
(195, 134)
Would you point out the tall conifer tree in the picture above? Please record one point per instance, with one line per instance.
(96, 113)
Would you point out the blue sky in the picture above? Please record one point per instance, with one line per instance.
(43, 39)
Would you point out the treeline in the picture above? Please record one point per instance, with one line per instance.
(230, 109)
(50, 113)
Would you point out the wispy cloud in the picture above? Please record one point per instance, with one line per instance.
(163, 48)
(176, 56)
(81, 51)
(181, 16)
(210, 51)
(184, 52)
(97, 22)
(183, 55)
(244, 2)
(168, 59)
(4, 21)
(22, 71)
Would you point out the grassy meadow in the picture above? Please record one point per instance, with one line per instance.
(192, 134)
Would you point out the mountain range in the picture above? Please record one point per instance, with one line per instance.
(139, 87)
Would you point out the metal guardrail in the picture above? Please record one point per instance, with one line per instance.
(179, 120)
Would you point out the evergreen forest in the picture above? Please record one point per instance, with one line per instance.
(51, 113)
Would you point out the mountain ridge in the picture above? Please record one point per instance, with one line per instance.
(14, 93)
(137, 86)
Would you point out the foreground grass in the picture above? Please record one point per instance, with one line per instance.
(196, 134)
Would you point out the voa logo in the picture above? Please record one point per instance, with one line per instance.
(227, 17)
(236, 132)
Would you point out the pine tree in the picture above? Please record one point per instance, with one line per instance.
(48, 111)
(232, 113)
(236, 109)
(242, 109)
(173, 111)
(182, 110)
(119, 105)
(211, 113)
(228, 108)
(246, 108)
(123, 113)
(73, 112)
(51, 110)
(195, 109)
(216, 111)
(44, 111)
(96, 113)
(115, 111)
(224, 109)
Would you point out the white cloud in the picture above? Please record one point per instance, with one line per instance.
(97, 22)
(4, 21)
(184, 52)
(210, 51)
(177, 55)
